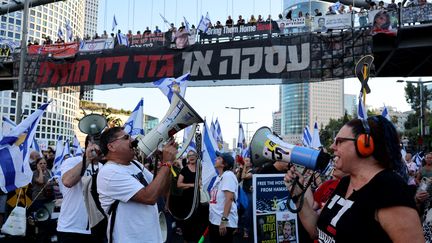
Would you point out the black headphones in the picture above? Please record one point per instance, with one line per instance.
(364, 143)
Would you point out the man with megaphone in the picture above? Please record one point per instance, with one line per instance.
(128, 192)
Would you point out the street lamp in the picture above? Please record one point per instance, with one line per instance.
(239, 110)
(420, 83)
(247, 129)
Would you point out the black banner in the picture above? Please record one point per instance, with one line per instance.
(300, 58)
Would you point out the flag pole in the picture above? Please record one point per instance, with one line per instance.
(22, 62)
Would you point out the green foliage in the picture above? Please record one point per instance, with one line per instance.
(329, 132)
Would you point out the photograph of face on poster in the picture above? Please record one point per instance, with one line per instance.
(273, 222)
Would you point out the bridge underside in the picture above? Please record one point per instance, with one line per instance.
(409, 54)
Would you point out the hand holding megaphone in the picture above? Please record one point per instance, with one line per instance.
(93, 153)
(169, 151)
(292, 177)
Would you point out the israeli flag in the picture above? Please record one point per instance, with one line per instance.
(213, 130)
(170, 85)
(7, 127)
(187, 26)
(164, 19)
(385, 113)
(134, 125)
(15, 171)
(209, 148)
(58, 158)
(60, 33)
(241, 142)
(192, 144)
(78, 151)
(336, 6)
(307, 137)
(114, 23)
(122, 39)
(69, 33)
(316, 143)
(204, 23)
(361, 111)
(218, 132)
(66, 149)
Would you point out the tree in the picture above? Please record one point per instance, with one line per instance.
(329, 132)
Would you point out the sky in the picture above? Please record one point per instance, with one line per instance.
(210, 102)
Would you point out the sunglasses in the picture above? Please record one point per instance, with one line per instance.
(123, 137)
(339, 140)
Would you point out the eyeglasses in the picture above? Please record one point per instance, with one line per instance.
(339, 140)
(123, 137)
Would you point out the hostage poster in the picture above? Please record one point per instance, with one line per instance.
(273, 222)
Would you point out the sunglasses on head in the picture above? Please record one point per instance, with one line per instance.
(339, 140)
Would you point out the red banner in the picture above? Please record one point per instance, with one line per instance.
(65, 50)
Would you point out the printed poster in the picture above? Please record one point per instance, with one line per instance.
(273, 222)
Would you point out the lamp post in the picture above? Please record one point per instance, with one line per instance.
(247, 130)
(420, 83)
(239, 110)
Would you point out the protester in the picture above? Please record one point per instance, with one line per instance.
(193, 227)
(72, 225)
(372, 203)
(42, 185)
(224, 193)
(247, 187)
(127, 184)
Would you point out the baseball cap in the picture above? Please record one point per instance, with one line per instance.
(227, 158)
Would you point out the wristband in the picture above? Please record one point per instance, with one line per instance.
(224, 219)
(166, 164)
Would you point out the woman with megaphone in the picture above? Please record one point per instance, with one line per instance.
(372, 203)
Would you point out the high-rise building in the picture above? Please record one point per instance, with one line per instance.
(46, 20)
(350, 104)
(91, 17)
(304, 103)
(277, 122)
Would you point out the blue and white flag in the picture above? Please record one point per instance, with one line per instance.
(385, 113)
(307, 137)
(192, 144)
(361, 111)
(316, 143)
(213, 130)
(134, 125)
(78, 151)
(7, 127)
(58, 158)
(114, 23)
(170, 85)
(241, 142)
(122, 39)
(164, 19)
(209, 148)
(15, 171)
(218, 132)
(187, 25)
(60, 33)
(66, 149)
(69, 34)
(336, 6)
(204, 23)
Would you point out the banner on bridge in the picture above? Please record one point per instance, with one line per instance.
(297, 58)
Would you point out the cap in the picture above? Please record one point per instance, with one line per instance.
(227, 158)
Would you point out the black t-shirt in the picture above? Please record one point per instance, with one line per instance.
(353, 219)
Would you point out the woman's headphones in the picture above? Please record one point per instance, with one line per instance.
(364, 143)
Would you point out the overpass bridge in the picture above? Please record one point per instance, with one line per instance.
(266, 53)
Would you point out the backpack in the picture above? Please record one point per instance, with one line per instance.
(98, 219)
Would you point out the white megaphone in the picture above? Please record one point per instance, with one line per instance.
(179, 116)
(267, 147)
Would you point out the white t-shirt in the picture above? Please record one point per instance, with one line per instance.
(226, 182)
(73, 213)
(134, 222)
